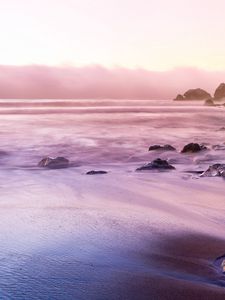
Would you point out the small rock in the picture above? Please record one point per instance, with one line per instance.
(214, 170)
(209, 102)
(157, 164)
(179, 97)
(54, 163)
(193, 148)
(93, 172)
(163, 148)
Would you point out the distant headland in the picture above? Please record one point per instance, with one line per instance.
(200, 94)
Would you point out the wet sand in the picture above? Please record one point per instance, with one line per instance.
(121, 235)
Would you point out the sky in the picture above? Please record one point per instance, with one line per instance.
(149, 34)
(142, 35)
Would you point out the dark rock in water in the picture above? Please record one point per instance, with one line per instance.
(163, 148)
(221, 129)
(220, 92)
(93, 172)
(54, 163)
(179, 97)
(157, 164)
(193, 148)
(215, 170)
(196, 94)
(209, 102)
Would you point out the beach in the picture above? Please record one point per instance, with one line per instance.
(120, 235)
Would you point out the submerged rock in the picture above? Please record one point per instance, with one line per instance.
(54, 163)
(163, 148)
(179, 97)
(196, 94)
(93, 172)
(214, 170)
(220, 92)
(209, 102)
(157, 164)
(193, 148)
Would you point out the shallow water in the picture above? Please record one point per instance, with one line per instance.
(65, 235)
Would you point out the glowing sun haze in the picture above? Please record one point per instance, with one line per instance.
(150, 34)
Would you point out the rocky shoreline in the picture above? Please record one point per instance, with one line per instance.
(200, 94)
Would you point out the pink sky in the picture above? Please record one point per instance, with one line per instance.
(122, 37)
(151, 34)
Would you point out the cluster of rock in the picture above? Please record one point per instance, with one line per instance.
(160, 164)
(157, 164)
(162, 148)
(189, 148)
(194, 94)
(200, 94)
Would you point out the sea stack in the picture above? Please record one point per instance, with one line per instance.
(194, 94)
(220, 92)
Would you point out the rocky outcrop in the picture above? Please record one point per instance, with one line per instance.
(209, 102)
(193, 148)
(215, 170)
(157, 164)
(162, 148)
(179, 97)
(54, 163)
(93, 172)
(220, 92)
(194, 94)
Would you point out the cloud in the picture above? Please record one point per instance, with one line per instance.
(30, 82)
